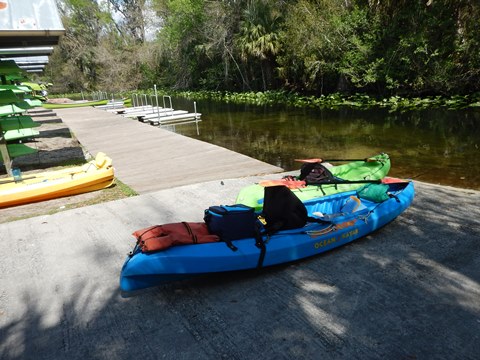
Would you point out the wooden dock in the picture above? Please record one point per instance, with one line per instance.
(148, 158)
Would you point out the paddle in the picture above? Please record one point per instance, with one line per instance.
(13, 180)
(293, 184)
(319, 160)
(298, 184)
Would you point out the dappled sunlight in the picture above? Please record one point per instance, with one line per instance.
(409, 284)
(445, 283)
(313, 286)
(320, 317)
(315, 300)
(381, 261)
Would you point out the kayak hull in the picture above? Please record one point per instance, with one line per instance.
(376, 168)
(74, 104)
(142, 270)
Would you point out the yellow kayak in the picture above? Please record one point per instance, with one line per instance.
(94, 175)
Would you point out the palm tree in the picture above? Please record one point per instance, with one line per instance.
(258, 41)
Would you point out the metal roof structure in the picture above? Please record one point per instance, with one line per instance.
(29, 23)
(29, 28)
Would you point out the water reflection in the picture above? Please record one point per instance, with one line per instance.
(435, 146)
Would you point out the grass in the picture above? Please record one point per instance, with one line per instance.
(115, 192)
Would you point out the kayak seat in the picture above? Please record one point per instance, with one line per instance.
(338, 208)
(102, 161)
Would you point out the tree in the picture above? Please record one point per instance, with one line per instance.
(101, 49)
(223, 69)
(314, 43)
(84, 22)
(406, 47)
(429, 47)
(179, 39)
(133, 13)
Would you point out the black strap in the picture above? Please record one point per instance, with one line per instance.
(136, 249)
(323, 192)
(190, 232)
(393, 196)
(259, 243)
(146, 230)
(230, 244)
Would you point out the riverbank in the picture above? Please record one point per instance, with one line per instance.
(332, 101)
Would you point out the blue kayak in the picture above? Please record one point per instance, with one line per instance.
(338, 223)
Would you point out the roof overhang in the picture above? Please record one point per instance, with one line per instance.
(29, 38)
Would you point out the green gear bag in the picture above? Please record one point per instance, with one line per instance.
(374, 192)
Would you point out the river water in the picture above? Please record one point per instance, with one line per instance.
(435, 146)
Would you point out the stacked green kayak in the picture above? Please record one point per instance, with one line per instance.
(20, 134)
(14, 126)
(373, 168)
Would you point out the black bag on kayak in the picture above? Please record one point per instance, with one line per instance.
(316, 174)
(282, 209)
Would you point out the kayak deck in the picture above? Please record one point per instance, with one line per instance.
(95, 175)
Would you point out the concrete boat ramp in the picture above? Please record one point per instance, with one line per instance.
(409, 291)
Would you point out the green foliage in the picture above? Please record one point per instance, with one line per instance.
(313, 44)
(383, 49)
(335, 100)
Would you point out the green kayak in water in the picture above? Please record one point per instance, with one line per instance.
(346, 177)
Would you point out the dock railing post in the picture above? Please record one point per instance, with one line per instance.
(158, 105)
(170, 99)
(7, 162)
(196, 117)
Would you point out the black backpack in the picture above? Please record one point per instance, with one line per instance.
(316, 174)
